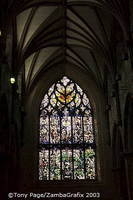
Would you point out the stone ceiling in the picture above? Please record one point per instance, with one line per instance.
(48, 32)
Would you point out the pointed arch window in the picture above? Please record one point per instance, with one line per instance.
(66, 136)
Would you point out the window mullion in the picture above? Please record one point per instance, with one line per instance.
(72, 146)
(60, 147)
(84, 146)
(94, 142)
(49, 144)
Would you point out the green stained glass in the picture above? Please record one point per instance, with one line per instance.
(90, 163)
(66, 134)
(79, 170)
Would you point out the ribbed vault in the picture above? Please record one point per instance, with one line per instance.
(50, 32)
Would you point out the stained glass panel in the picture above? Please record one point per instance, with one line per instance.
(54, 129)
(55, 164)
(77, 129)
(79, 171)
(67, 142)
(67, 164)
(88, 129)
(44, 130)
(44, 165)
(90, 163)
(66, 129)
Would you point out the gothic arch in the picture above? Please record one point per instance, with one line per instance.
(32, 106)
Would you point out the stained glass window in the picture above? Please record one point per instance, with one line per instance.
(67, 139)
